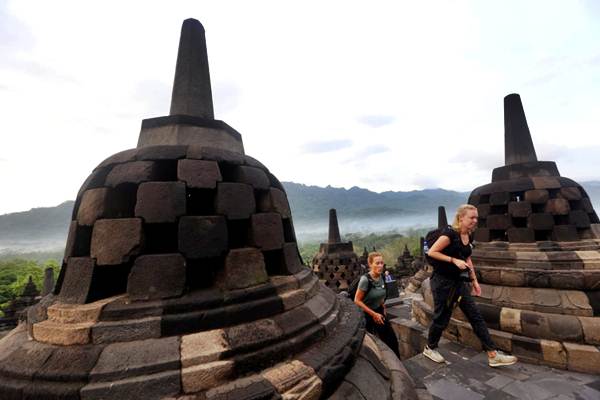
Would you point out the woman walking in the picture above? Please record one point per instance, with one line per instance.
(370, 296)
(453, 281)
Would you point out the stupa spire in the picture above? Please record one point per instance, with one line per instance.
(334, 229)
(442, 220)
(518, 146)
(192, 93)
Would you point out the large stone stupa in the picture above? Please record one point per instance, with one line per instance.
(537, 256)
(182, 279)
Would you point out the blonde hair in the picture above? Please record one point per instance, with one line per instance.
(372, 256)
(460, 212)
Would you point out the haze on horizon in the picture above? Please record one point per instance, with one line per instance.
(390, 97)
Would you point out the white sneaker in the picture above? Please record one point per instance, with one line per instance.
(433, 355)
(501, 359)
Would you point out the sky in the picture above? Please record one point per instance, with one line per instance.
(384, 95)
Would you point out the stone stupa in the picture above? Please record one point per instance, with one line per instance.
(537, 257)
(336, 263)
(182, 279)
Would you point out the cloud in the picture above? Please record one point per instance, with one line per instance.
(372, 150)
(426, 182)
(376, 121)
(481, 160)
(326, 146)
(226, 97)
(155, 97)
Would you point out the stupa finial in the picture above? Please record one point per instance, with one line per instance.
(192, 93)
(334, 229)
(518, 146)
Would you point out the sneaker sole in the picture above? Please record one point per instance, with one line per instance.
(504, 364)
(435, 361)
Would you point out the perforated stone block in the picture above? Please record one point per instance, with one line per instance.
(521, 235)
(243, 268)
(235, 200)
(558, 207)
(500, 222)
(540, 221)
(537, 196)
(579, 219)
(500, 198)
(564, 233)
(160, 202)
(199, 174)
(156, 276)
(519, 209)
(266, 231)
(115, 241)
(93, 205)
(77, 280)
(201, 237)
(132, 172)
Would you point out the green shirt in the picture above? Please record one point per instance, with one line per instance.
(376, 295)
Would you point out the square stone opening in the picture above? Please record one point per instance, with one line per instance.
(82, 241)
(288, 230)
(561, 220)
(519, 222)
(166, 170)
(542, 235)
(121, 201)
(200, 202)
(201, 273)
(484, 199)
(161, 238)
(274, 262)
(109, 280)
(501, 209)
(238, 231)
(497, 235)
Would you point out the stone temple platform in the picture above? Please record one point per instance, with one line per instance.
(466, 375)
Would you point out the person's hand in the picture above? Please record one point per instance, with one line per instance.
(476, 289)
(460, 263)
(378, 318)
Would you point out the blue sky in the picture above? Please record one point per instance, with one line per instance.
(386, 95)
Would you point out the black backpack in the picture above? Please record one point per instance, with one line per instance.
(432, 237)
(354, 285)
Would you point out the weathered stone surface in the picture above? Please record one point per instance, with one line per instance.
(243, 268)
(160, 202)
(157, 386)
(156, 276)
(564, 233)
(201, 237)
(499, 198)
(119, 158)
(483, 210)
(565, 328)
(291, 258)
(235, 200)
(519, 209)
(275, 201)
(503, 340)
(545, 182)
(308, 389)
(161, 152)
(115, 241)
(203, 347)
(215, 154)
(521, 235)
(94, 205)
(583, 358)
(255, 177)
(199, 174)
(527, 349)
(266, 231)
(245, 336)
(206, 376)
(510, 320)
(579, 218)
(468, 337)
(125, 331)
(123, 360)
(512, 278)
(500, 221)
(540, 221)
(591, 329)
(558, 207)
(131, 172)
(62, 334)
(77, 280)
(68, 313)
(252, 387)
(368, 382)
(535, 325)
(570, 193)
(537, 196)
(28, 360)
(482, 235)
(293, 299)
(70, 363)
(287, 375)
(553, 353)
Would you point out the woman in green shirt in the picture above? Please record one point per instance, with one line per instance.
(370, 296)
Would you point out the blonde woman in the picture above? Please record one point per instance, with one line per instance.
(453, 281)
(370, 296)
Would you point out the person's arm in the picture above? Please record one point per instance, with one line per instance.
(436, 252)
(473, 276)
(358, 300)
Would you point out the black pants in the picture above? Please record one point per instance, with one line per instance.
(446, 293)
(384, 332)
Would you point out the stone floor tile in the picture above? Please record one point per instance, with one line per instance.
(587, 393)
(595, 384)
(499, 381)
(557, 385)
(498, 394)
(447, 390)
(527, 391)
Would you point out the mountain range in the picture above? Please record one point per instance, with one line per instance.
(359, 211)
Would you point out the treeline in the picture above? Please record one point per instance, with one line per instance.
(15, 273)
